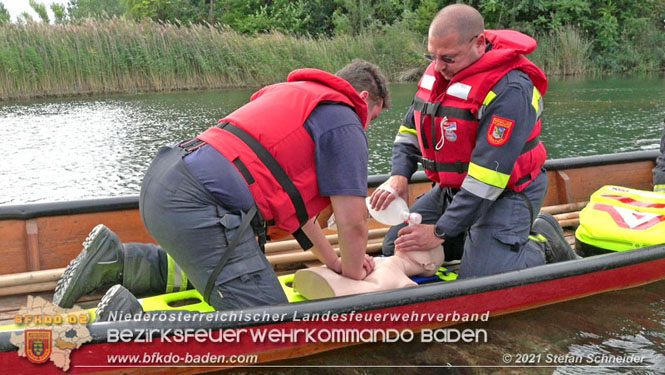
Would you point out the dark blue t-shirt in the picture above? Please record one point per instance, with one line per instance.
(341, 155)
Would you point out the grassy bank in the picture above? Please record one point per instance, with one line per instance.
(120, 55)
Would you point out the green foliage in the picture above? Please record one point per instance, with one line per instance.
(24, 18)
(40, 9)
(59, 13)
(419, 19)
(4, 15)
(79, 9)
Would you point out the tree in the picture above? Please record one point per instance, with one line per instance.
(78, 9)
(59, 13)
(4, 15)
(176, 11)
(24, 18)
(40, 9)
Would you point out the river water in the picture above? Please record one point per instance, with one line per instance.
(66, 149)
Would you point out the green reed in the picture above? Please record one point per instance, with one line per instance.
(564, 51)
(120, 55)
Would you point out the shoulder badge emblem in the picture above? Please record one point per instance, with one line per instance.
(499, 131)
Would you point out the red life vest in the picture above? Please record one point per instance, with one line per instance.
(454, 105)
(267, 142)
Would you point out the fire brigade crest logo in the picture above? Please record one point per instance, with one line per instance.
(38, 345)
(46, 332)
(499, 131)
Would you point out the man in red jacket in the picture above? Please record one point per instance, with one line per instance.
(474, 125)
(294, 149)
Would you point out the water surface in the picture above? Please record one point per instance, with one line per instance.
(65, 149)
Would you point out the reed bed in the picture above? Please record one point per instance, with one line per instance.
(564, 51)
(120, 55)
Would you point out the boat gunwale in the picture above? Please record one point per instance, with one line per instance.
(34, 210)
(393, 298)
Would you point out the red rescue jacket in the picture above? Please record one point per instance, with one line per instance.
(454, 106)
(270, 130)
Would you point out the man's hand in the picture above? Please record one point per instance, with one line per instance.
(381, 198)
(417, 237)
(336, 265)
(368, 264)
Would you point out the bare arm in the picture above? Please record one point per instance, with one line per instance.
(322, 248)
(351, 218)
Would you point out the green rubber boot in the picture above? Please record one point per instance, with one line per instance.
(99, 264)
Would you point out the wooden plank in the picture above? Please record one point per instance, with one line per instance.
(14, 245)
(61, 237)
(564, 188)
(32, 234)
(584, 181)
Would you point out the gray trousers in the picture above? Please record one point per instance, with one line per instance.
(498, 241)
(195, 230)
(145, 270)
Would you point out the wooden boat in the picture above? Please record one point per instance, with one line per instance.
(40, 239)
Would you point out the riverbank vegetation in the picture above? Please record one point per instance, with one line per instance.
(97, 46)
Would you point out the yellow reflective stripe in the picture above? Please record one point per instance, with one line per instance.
(488, 176)
(536, 100)
(183, 286)
(538, 238)
(170, 275)
(659, 188)
(403, 129)
(488, 99)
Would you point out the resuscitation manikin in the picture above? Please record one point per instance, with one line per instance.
(389, 272)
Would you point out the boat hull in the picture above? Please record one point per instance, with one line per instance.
(409, 311)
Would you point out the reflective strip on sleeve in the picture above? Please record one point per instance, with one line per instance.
(488, 99)
(659, 188)
(407, 135)
(537, 102)
(481, 189)
(488, 176)
(406, 130)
